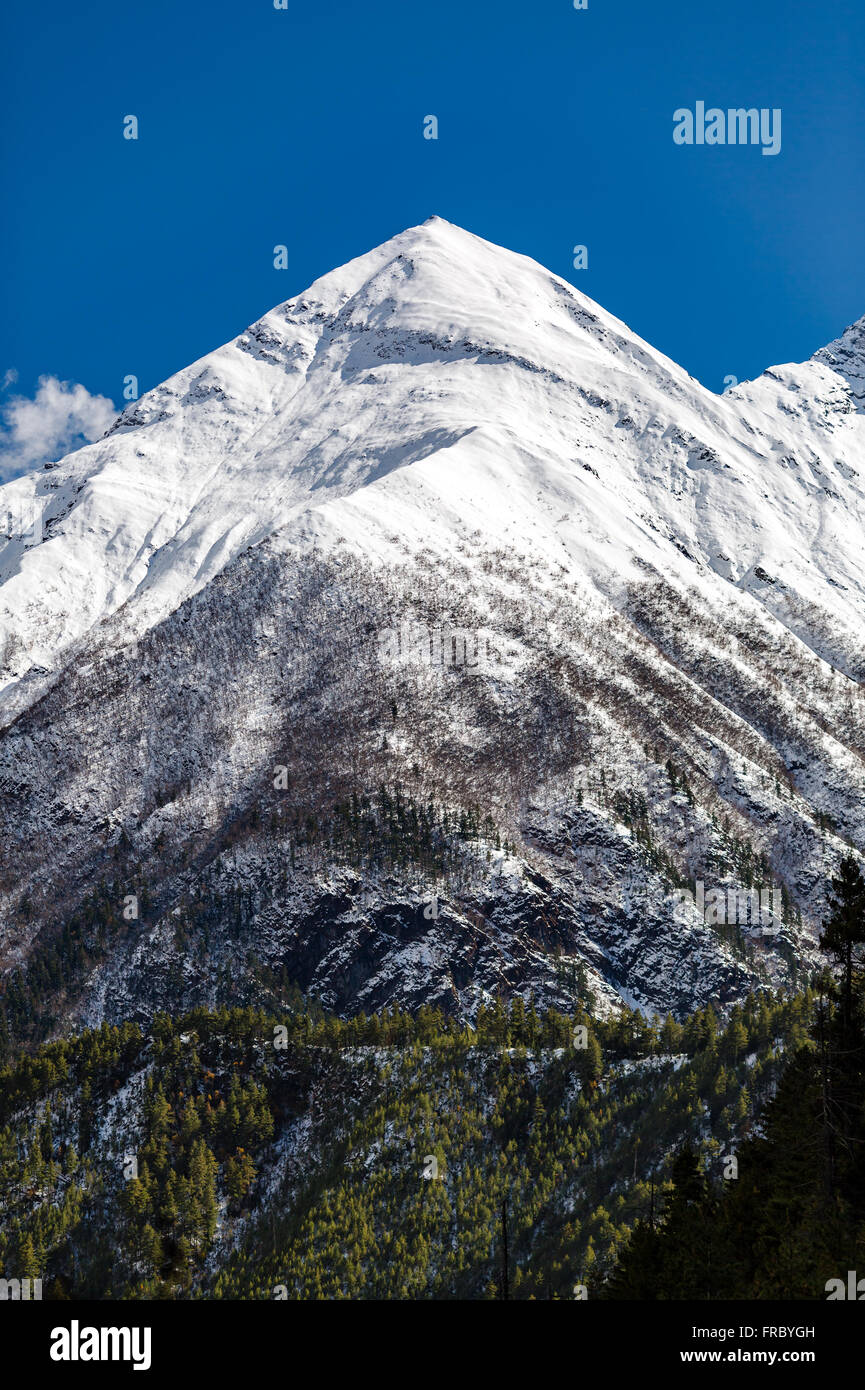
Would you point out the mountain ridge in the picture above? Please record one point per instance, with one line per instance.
(438, 535)
(167, 520)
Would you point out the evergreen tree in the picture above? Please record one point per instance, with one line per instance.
(844, 931)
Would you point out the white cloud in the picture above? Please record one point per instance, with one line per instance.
(61, 416)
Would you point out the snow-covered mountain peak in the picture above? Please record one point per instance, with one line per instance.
(436, 386)
(439, 436)
(846, 355)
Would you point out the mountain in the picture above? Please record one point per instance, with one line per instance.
(420, 645)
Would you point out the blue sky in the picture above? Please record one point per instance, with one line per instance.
(304, 126)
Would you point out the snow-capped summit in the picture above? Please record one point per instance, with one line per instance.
(209, 653)
(437, 383)
(846, 356)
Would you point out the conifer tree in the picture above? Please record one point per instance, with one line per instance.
(844, 931)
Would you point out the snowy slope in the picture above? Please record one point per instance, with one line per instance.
(445, 385)
(667, 585)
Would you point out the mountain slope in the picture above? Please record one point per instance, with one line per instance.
(435, 584)
(439, 346)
